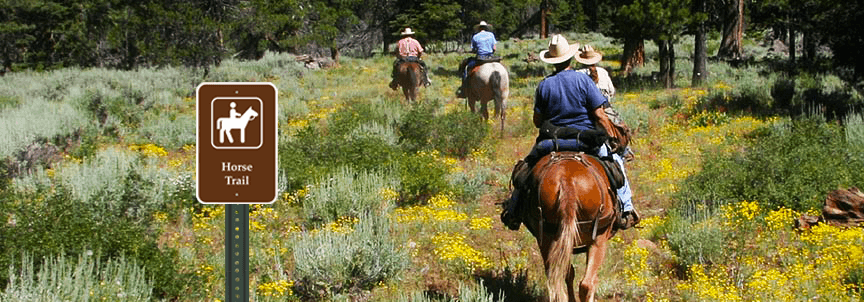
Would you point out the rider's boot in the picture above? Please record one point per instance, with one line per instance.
(509, 217)
(460, 93)
(628, 220)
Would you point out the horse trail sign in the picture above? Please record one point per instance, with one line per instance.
(237, 143)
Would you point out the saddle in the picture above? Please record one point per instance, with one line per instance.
(480, 60)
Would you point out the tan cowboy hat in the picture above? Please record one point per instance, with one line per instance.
(559, 51)
(407, 32)
(482, 24)
(588, 56)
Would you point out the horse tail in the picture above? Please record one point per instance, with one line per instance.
(561, 248)
(499, 85)
(219, 123)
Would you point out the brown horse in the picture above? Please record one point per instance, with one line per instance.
(571, 211)
(409, 75)
(486, 82)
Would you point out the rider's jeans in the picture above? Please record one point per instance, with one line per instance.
(624, 193)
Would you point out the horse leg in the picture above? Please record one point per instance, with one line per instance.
(471, 103)
(228, 133)
(571, 293)
(595, 256)
(243, 135)
(222, 135)
(484, 111)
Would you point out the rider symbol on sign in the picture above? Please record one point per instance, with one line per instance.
(235, 123)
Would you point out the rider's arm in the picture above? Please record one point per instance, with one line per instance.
(538, 119)
(600, 119)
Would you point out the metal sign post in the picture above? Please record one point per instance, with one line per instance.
(236, 252)
(236, 164)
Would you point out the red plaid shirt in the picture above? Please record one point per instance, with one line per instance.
(409, 47)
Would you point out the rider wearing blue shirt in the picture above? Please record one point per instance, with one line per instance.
(483, 45)
(564, 98)
(569, 99)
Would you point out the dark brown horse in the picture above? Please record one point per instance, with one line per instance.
(571, 211)
(409, 75)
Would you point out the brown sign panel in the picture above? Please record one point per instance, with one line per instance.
(237, 143)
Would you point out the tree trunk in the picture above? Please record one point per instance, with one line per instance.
(334, 54)
(792, 47)
(634, 54)
(590, 7)
(667, 63)
(733, 32)
(809, 45)
(544, 26)
(700, 53)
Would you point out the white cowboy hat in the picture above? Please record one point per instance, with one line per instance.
(559, 51)
(482, 24)
(407, 31)
(588, 56)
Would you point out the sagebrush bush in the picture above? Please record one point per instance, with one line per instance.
(65, 279)
(793, 164)
(694, 234)
(348, 193)
(49, 223)
(467, 293)
(116, 181)
(336, 262)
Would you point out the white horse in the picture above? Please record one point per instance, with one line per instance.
(226, 124)
(486, 82)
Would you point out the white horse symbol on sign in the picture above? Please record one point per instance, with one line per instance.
(226, 124)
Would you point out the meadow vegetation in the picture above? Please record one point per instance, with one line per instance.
(381, 200)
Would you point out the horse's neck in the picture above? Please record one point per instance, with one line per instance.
(246, 115)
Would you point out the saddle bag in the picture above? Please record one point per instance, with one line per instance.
(613, 172)
(590, 138)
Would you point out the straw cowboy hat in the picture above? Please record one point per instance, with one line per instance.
(588, 56)
(407, 32)
(559, 51)
(482, 24)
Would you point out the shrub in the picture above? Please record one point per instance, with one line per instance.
(45, 225)
(694, 235)
(458, 133)
(62, 279)
(362, 140)
(454, 133)
(793, 164)
(348, 193)
(467, 293)
(416, 125)
(329, 263)
(115, 181)
(422, 175)
(854, 131)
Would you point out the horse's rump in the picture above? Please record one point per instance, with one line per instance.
(572, 187)
(409, 76)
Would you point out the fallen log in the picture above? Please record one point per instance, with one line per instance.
(841, 208)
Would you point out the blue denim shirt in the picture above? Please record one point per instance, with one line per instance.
(483, 42)
(566, 98)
